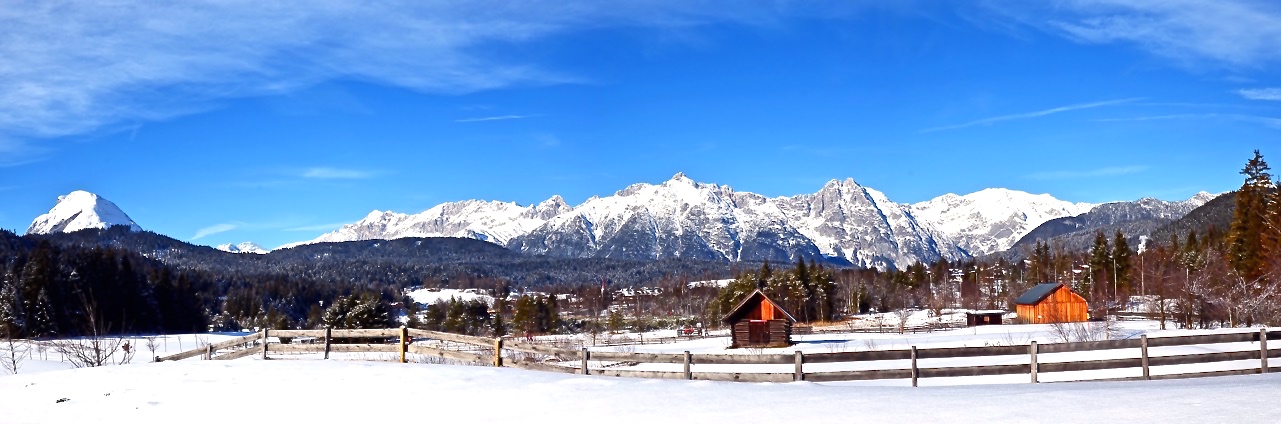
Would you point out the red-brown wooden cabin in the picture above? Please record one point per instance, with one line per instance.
(759, 322)
(1049, 303)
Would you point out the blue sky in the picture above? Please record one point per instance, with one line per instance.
(235, 121)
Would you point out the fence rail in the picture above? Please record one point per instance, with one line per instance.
(540, 357)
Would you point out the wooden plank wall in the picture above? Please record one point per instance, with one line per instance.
(1062, 305)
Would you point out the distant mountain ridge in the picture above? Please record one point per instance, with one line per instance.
(245, 247)
(1137, 219)
(844, 223)
(992, 220)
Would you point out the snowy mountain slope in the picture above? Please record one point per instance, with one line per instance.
(861, 225)
(496, 222)
(245, 247)
(843, 222)
(1135, 219)
(992, 220)
(678, 218)
(81, 210)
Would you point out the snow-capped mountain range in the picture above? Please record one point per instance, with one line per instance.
(80, 210)
(245, 247)
(991, 220)
(843, 222)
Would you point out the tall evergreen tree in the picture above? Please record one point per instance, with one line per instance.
(497, 328)
(1122, 266)
(1271, 237)
(1245, 243)
(1040, 270)
(41, 323)
(1100, 274)
(11, 324)
(525, 318)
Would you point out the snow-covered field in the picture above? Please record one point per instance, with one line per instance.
(349, 388)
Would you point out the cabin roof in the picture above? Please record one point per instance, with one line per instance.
(745, 305)
(1037, 294)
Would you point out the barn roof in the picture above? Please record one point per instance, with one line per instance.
(744, 307)
(1037, 294)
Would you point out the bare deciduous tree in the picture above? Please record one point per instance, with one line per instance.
(13, 352)
(95, 348)
(152, 345)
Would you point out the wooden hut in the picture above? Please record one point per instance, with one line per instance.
(977, 318)
(759, 322)
(1049, 303)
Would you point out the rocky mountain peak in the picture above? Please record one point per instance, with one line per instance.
(81, 210)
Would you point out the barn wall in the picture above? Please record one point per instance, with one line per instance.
(739, 336)
(1061, 306)
(780, 333)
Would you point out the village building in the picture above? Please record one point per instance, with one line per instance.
(1049, 303)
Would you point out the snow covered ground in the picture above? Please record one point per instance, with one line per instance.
(350, 388)
(427, 296)
(333, 391)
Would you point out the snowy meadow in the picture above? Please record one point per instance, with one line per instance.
(48, 388)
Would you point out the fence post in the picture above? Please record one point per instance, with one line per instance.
(1263, 350)
(208, 352)
(404, 342)
(915, 372)
(498, 351)
(1031, 352)
(264, 343)
(328, 333)
(688, 374)
(798, 375)
(585, 370)
(1143, 347)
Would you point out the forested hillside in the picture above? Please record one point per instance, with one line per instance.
(143, 282)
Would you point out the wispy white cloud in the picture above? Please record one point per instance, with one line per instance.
(1235, 33)
(1092, 173)
(79, 67)
(337, 174)
(14, 152)
(1261, 120)
(494, 118)
(213, 229)
(1027, 115)
(1261, 93)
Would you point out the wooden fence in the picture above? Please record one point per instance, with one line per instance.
(536, 356)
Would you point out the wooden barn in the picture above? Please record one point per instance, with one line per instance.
(1049, 303)
(759, 322)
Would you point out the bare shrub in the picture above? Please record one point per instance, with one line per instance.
(1010, 339)
(871, 344)
(152, 345)
(95, 351)
(1067, 332)
(901, 316)
(95, 348)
